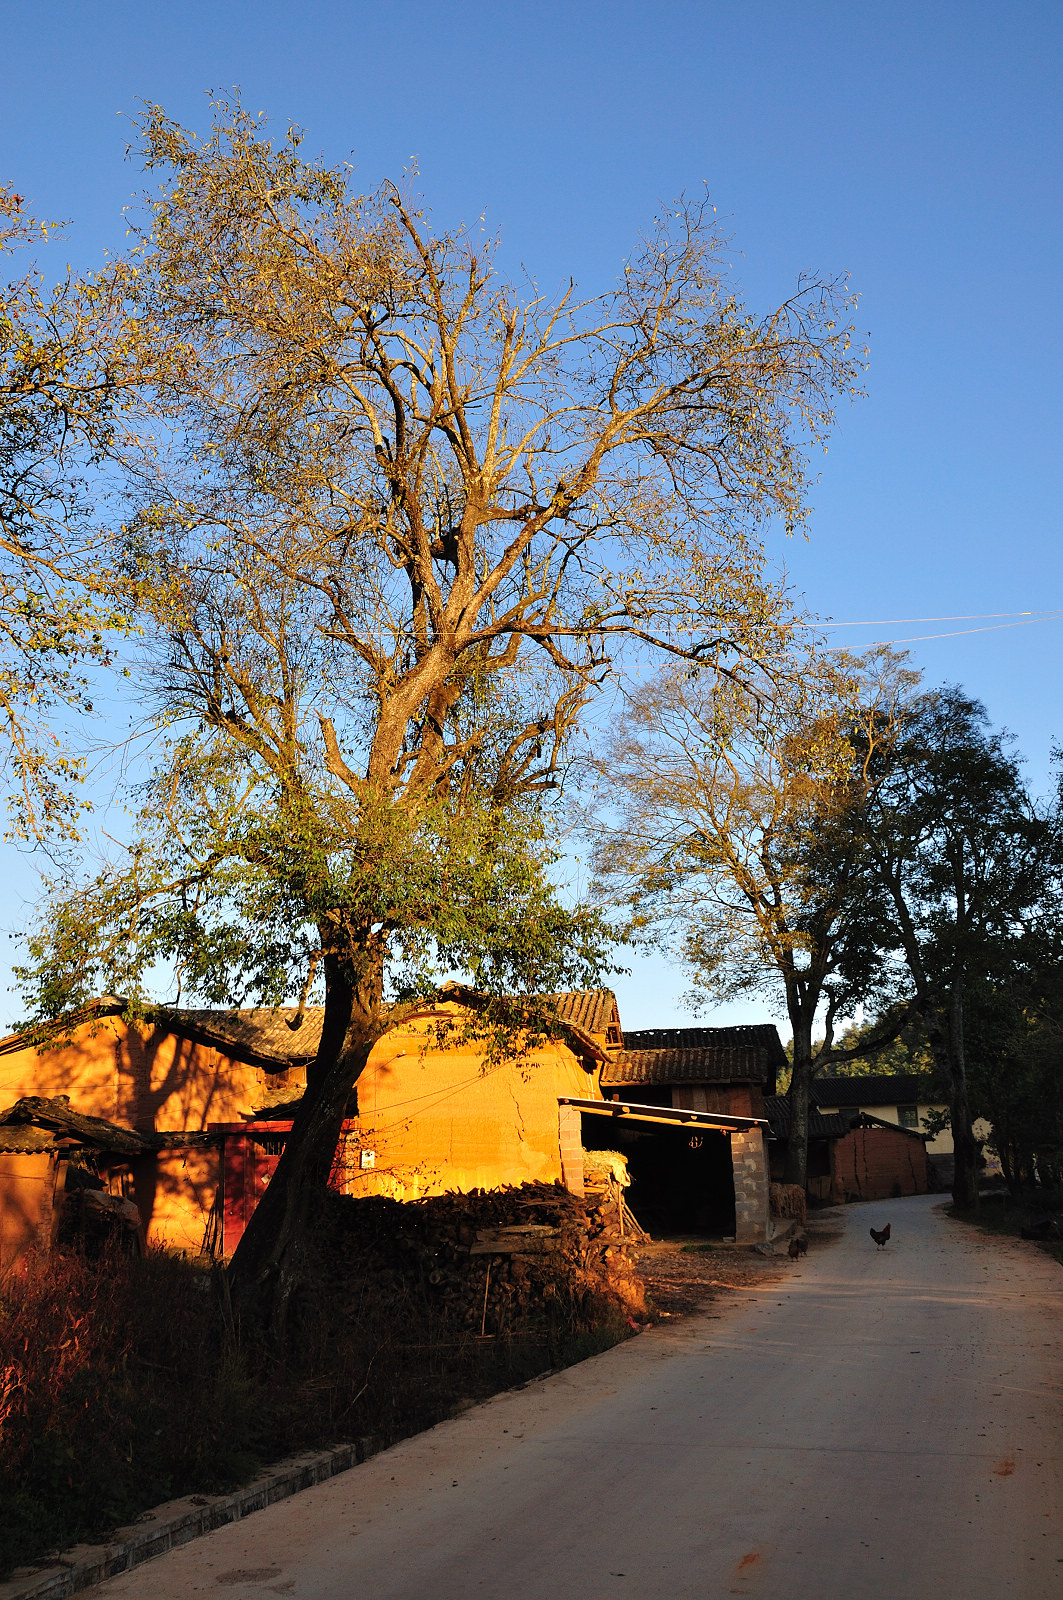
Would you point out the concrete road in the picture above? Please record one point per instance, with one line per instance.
(878, 1424)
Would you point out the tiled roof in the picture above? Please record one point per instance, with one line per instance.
(35, 1123)
(24, 1140)
(697, 1055)
(754, 1036)
(707, 1065)
(264, 1036)
(267, 1034)
(899, 1088)
(593, 1010)
(820, 1125)
(263, 1033)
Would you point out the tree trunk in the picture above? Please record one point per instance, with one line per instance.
(965, 1175)
(946, 1042)
(270, 1261)
(799, 1097)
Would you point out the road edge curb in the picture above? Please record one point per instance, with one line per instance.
(178, 1522)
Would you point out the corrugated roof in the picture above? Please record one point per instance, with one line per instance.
(899, 1088)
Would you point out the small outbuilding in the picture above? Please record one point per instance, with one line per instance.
(851, 1154)
(65, 1176)
(711, 1179)
(906, 1100)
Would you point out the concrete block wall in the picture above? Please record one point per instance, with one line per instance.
(570, 1134)
(750, 1162)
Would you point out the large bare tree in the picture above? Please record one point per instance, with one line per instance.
(399, 519)
(733, 827)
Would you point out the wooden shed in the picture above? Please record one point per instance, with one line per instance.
(716, 1183)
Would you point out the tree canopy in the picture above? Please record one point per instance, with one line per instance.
(731, 825)
(65, 374)
(396, 520)
(961, 863)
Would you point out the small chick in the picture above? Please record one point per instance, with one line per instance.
(798, 1247)
(880, 1236)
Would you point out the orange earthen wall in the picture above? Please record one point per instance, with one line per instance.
(872, 1163)
(143, 1076)
(27, 1189)
(436, 1120)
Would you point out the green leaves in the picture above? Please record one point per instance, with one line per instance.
(232, 888)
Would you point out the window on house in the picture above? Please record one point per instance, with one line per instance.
(908, 1117)
(612, 1036)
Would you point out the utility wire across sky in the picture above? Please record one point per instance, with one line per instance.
(1021, 619)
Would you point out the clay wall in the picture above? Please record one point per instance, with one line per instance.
(143, 1076)
(726, 1099)
(27, 1192)
(434, 1119)
(876, 1163)
(437, 1119)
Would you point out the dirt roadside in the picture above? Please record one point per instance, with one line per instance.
(684, 1276)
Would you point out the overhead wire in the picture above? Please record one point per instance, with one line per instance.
(974, 616)
(1023, 620)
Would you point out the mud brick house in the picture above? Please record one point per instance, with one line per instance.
(431, 1114)
(698, 1178)
(904, 1099)
(851, 1154)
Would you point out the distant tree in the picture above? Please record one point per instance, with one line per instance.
(65, 375)
(1014, 1059)
(398, 522)
(733, 823)
(962, 861)
(909, 1053)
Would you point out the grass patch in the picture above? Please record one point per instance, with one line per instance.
(126, 1382)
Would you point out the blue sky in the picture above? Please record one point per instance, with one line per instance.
(915, 146)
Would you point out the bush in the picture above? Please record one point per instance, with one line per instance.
(126, 1381)
(120, 1387)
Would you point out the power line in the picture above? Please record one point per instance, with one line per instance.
(955, 633)
(984, 616)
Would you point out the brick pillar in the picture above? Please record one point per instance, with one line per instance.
(751, 1186)
(570, 1134)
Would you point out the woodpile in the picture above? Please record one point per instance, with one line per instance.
(491, 1263)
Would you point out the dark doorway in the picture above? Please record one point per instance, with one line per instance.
(682, 1181)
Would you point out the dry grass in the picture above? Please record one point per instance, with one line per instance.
(124, 1382)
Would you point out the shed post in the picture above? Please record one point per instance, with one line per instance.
(751, 1186)
(570, 1138)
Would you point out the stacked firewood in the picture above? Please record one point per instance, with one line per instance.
(491, 1263)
